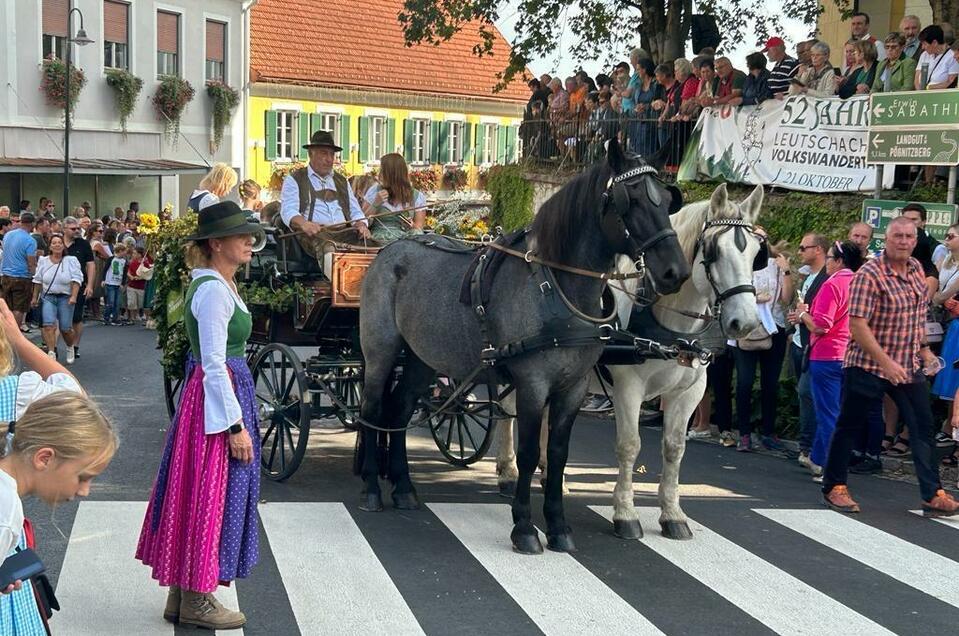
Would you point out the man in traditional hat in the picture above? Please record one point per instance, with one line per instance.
(314, 197)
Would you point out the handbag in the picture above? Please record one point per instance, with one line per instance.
(144, 272)
(756, 340)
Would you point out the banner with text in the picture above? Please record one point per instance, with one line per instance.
(800, 143)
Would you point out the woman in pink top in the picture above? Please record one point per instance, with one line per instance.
(828, 324)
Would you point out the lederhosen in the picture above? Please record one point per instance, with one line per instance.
(324, 242)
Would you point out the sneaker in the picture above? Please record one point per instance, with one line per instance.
(71, 355)
(743, 445)
(840, 500)
(868, 466)
(52, 354)
(816, 470)
(694, 434)
(76, 352)
(804, 460)
(817, 479)
(944, 441)
(772, 443)
(942, 505)
(596, 404)
(726, 439)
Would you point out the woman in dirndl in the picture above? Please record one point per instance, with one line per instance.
(201, 524)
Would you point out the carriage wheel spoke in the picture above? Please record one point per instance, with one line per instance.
(459, 432)
(449, 433)
(276, 439)
(289, 438)
(288, 388)
(269, 386)
(271, 428)
(483, 423)
(291, 424)
(470, 435)
(273, 374)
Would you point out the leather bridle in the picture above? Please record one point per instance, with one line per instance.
(710, 257)
(616, 199)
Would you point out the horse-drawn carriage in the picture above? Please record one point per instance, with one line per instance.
(305, 358)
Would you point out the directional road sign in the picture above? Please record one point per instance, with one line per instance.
(914, 147)
(915, 110)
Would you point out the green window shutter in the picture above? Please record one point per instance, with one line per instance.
(443, 143)
(316, 122)
(510, 144)
(408, 140)
(467, 142)
(345, 138)
(303, 137)
(270, 148)
(478, 145)
(435, 127)
(501, 145)
(390, 145)
(364, 139)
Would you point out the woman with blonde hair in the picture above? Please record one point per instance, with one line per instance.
(360, 184)
(201, 527)
(215, 185)
(250, 201)
(395, 192)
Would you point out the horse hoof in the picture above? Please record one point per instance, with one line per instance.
(526, 543)
(372, 502)
(560, 542)
(507, 489)
(676, 530)
(627, 528)
(406, 501)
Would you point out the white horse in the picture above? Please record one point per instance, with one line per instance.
(716, 239)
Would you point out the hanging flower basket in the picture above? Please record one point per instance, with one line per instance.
(424, 179)
(54, 83)
(454, 178)
(126, 88)
(170, 100)
(225, 100)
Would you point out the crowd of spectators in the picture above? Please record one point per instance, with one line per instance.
(651, 107)
(57, 272)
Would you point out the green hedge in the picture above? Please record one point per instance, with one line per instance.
(511, 198)
(787, 216)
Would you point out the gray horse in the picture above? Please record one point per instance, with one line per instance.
(410, 306)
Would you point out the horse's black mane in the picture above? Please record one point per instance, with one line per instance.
(573, 210)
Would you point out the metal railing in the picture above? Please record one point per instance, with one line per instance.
(574, 144)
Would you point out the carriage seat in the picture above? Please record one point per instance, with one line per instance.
(291, 257)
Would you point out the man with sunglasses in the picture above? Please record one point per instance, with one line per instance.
(812, 253)
(886, 354)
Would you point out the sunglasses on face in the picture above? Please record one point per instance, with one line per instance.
(951, 236)
(803, 248)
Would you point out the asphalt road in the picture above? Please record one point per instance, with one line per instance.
(765, 558)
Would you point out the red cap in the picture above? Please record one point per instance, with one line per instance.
(771, 42)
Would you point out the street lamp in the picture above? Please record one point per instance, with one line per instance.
(80, 39)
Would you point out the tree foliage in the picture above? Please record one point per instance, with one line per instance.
(601, 29)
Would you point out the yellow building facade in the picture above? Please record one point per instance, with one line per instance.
(443, 135)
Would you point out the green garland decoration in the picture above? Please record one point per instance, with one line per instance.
(126, 88)
(225, 101)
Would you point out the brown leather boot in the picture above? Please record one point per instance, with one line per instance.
(203, 610)
(840, 500)
(942, 505)
(172, 610)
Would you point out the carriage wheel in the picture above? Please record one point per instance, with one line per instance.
(350, 391)
(281, 387)
(465, 431)
(172, 387)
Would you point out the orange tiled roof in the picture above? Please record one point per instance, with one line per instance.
(360, 43)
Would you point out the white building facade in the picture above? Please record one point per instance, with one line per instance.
(198, 41)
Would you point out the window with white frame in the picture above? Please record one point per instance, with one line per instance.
(215, 51)
(331, 122)
(168, 43)
(421, 141)
(455, 141)
(377, 137)
(116, 33)
(487, 146)
(54, 27)
(286, 135)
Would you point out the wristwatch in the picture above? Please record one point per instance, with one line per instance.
(236, 429)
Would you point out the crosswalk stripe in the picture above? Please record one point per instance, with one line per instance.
(952, 522)
(779, 600)
(913, 565)
(557, 592)
(101, 586)
(333, 579)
